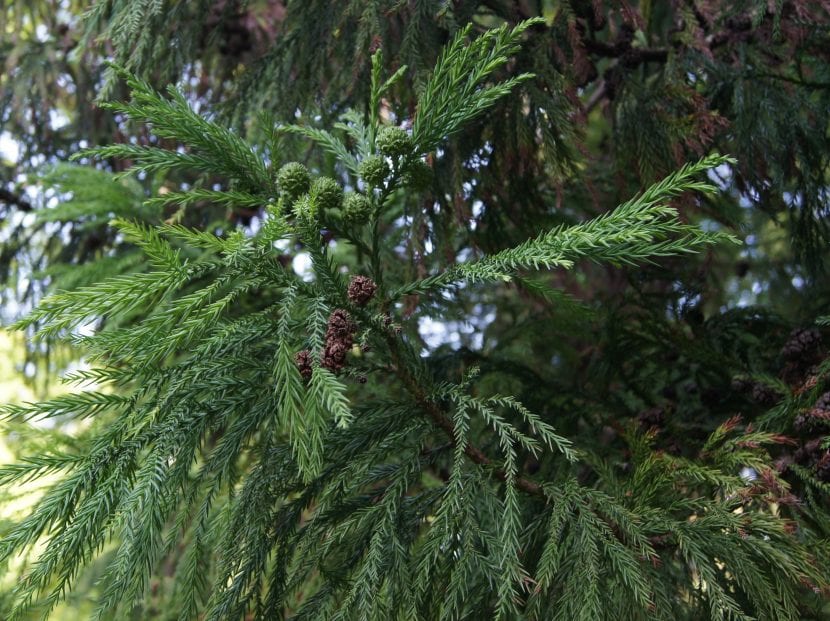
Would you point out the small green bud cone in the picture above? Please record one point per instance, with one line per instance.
(326, 193)
(418, 175)
(306, 208)
(356, 208)
(394, 142)
(293, 179)
(374, 170)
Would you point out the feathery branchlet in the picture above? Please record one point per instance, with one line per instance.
(504, 468)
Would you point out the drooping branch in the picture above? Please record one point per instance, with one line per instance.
(435, 413)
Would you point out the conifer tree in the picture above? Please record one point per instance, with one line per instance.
(266, 430)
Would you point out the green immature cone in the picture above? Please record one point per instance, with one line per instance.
(326, 193)
(293, 180)
(394, 142)
(356, 208)
(306, 208)
(418, 175)
(374, 170)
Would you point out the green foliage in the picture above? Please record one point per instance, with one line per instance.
(212, 148)
(251, 442)
(637, 230)
(93, 197)
(455, 93)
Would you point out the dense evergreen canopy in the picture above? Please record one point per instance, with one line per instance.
(413, 309)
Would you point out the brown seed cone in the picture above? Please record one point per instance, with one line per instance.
(361, 289)
(303, 360)
(340, 324)
(334, 355)
(801, 342)
(339, 340)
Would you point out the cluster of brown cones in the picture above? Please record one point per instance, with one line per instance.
(339, 331)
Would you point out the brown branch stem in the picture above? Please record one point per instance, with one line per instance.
(437, 416)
